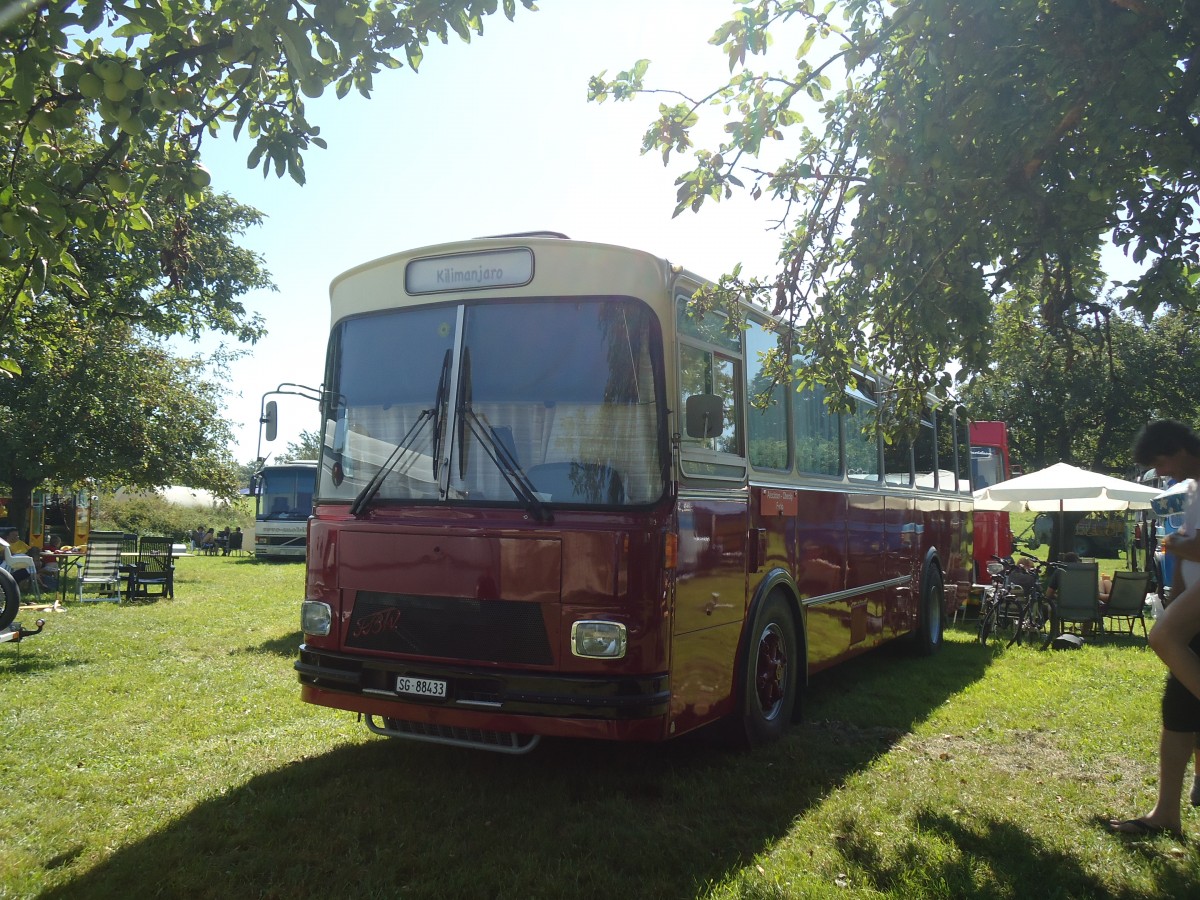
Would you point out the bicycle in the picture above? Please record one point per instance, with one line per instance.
(1037, 611)
(1003, 601)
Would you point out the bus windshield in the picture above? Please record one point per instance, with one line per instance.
(285, 493)
(987, 467)
(550, 401)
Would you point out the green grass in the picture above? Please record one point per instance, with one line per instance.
(161, 750)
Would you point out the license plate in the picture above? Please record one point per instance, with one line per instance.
(421, 687)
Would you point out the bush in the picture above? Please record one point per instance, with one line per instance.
(150, 514)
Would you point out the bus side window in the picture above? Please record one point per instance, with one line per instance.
(962, 450)
(862, 435)
(707, 372)
(766, 404)
(817, 433)
(710, 362)
(925, 460)
(897, 462)
(947, 431)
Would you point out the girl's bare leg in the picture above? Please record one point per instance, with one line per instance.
(1173, 632)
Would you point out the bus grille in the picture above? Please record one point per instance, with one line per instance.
(499, 631)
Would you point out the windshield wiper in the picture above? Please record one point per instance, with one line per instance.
(517, 480)
(439, 405)
(496, 449)
(371, 488)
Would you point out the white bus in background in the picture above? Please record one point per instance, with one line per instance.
(284, 494)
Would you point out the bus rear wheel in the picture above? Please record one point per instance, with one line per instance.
(771, 678)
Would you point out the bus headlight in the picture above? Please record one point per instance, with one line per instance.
(598, 640)
(316, 618)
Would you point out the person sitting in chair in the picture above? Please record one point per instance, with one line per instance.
(17, 546)
(47, 563)
(1052, 584)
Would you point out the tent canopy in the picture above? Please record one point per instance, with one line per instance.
(1064, 488)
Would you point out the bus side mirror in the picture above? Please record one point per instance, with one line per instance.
(704, 416)
(271, 420)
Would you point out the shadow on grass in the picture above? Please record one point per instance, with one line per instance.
(285, 645)
(574, 818)
(1014, 862)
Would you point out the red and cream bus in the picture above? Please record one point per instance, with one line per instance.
(548, 505)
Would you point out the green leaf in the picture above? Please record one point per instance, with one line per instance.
(67, 260)
(140, 220)
(73, 284)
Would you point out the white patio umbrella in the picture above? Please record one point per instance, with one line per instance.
(1064, 488)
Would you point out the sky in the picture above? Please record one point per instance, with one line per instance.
(492, 137)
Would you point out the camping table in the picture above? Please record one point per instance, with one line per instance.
(68, 561)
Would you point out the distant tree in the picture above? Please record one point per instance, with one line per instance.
(931, 155)
(95, 397)
(104, 104)
(171, 274)
(308, 447)
(246, 473)
(1079, 395)
(110, 405)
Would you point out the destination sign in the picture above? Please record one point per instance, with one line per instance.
(469, 271)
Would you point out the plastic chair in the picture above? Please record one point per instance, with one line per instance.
(1077, 596)
(101, 567)
(1127, 600)
(154, 572)
(18, 562)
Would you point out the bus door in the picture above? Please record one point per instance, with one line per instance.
(712, 522)
(869, 567)
(820, 573)
(710, 604)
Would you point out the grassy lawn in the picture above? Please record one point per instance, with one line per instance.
(161, 750)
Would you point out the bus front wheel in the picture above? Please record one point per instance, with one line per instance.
(771, 677)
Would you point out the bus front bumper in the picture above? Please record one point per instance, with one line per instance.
(605, 707)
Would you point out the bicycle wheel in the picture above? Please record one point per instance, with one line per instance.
(1008, 620)
(987, 621)
(1031, 626)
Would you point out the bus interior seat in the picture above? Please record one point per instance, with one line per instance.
(568, 482)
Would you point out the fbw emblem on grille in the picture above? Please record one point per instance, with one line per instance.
(386, 620)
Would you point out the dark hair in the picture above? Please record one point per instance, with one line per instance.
(1164, 438)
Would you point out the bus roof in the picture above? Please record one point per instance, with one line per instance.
(505, 266)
